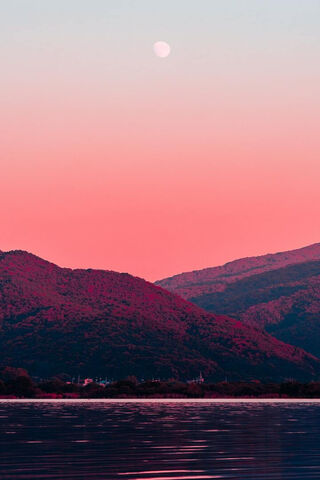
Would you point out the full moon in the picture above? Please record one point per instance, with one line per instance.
(161, 49)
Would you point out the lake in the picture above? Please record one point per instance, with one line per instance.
(159, 440)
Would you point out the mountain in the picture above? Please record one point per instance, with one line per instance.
(95, 322)
(190, 285)
(279, 293)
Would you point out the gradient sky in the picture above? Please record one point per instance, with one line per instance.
(113, 158)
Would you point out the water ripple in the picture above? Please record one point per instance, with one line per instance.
(159, 441)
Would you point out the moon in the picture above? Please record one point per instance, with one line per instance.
(161, 49)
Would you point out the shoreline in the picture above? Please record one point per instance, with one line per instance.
(161, 400)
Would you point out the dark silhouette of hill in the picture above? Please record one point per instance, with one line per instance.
(94, 322)
(280, 295)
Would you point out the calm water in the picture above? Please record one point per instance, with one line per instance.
(161, 441)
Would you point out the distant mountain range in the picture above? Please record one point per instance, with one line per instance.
(279, 293)
(92, 322)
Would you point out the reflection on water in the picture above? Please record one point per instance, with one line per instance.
(160, 441)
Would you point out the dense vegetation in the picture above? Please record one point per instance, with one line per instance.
(97, 323)
(285, 302)
(265, 292)
(16, 383)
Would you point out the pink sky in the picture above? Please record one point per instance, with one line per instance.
(113, 158)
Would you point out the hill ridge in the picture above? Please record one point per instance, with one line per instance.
(100, 322)
(282, 298)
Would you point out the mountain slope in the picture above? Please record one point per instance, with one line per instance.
(284, 301)
(199, 282)
(94, 322)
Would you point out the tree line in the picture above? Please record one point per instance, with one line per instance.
(17, 383)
